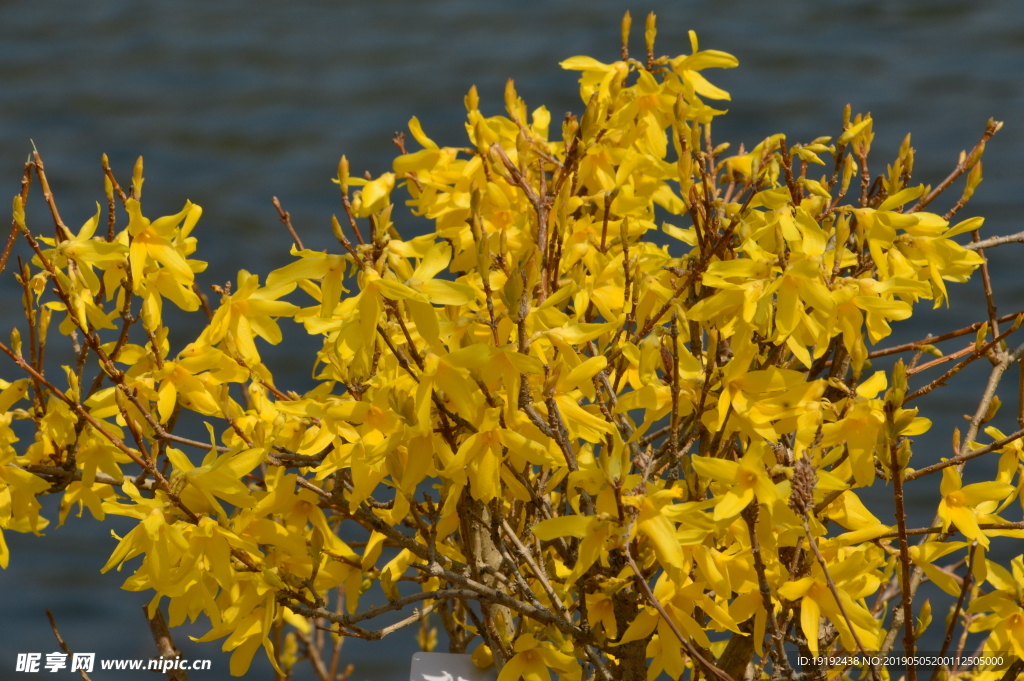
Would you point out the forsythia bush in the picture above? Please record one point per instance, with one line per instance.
(604, 443)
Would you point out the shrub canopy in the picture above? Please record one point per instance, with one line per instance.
(611, 414)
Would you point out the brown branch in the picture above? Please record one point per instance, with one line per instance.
(986, 282)
(63, 645)
(164, 644)
(750, 515)
(62, 230)
(978, 353)
(286, 218)
(347, 205)
(906, 597)
(961, 458)
(26, 182)
(347, 620)
(938, 529)
(965, 586)
(77, 475)
(966, 162)
(538, 569)
(146, 464)
(906, 347)
(113, 180)
(204, 301)
(542, 615)
(995, 241)
(945, 359)
(312, 644)
(787, 166)
(82, 413)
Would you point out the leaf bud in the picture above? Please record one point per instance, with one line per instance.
(19, 213)
(483, 257)
(650, 32)
(591, 119)
(679, 109)
(849, 168)
(570, 126)
(512, 292)
(474, 216)
(484, 137)
(45, 316)
(976, 155)
(316, 544)
(336, 228)
(904, 147)
(618, 80)
(512, 101)
(472, 100)
(979, 338)
(137, 180)
(273, 580)
(895, 394)
(924, 618)
(343, 174)
(551, 379)
(16, 341)
(973, 180)
(903, 454)
(842, 234)
(993, 409)
(522, 150)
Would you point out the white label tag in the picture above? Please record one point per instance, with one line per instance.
(448, 667)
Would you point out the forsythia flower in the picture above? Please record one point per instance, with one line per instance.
(960, 504)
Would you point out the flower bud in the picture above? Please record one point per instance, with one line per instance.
(650, 32)
(137, 180)
(343, 174)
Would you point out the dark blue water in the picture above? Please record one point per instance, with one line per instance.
(233, 102)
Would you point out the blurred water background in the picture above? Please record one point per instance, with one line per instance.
(233, 102)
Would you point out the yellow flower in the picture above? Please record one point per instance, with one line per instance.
(247, 313)
(745, 478)
(532, 660)
(960, 505)
(854, 578)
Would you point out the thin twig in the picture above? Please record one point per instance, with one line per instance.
(906, 597)
(966, 163)
(957, 460)
(63, 645)
(286, 218)
(995, 241)
(906, 347)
